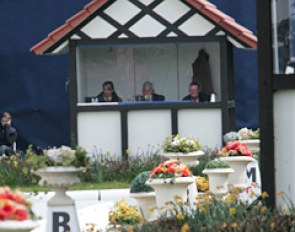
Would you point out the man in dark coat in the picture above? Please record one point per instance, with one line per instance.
(7, 135)
(195, 95)
(149, 94)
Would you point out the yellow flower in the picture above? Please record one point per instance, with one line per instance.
(234, 225)
(251, 194)
(103, 164)
(264, 195)
(179, 217)
(151, 209)
(130, 228)
(15, 164)
(263, 209)
(272, 225)
(254, 184)
(184, 228)
(224, 225)
(238, 189)
(280, 193)
(232, 211)
(231, 198)
(108, 153)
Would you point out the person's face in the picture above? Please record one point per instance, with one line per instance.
(3, 121)
(194, 91)
(107, 90)
(147, 90)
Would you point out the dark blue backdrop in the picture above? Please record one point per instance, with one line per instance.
(33, 88)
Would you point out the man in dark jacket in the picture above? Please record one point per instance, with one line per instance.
(149, 94)
(195, 95)
(7, 135)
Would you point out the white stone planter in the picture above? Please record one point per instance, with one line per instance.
(144, 201)
(218, 180)
(18, 226)
(59, 179)
(166, 190)
(253, 145)
(61, 207)
(239, 164)
(190, 159)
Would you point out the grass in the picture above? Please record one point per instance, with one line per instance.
(82, 186)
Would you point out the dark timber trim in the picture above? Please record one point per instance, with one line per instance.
(73, 93)
(134, 41)
(265, 76)
(282, 81)
(124, 132)
(227, 95)
(174, 121)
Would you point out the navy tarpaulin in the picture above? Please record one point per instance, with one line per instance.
(33, 88)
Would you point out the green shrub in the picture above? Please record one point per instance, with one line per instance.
(216, 163)
(138, 183)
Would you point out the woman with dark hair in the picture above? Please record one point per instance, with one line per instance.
(108, 93)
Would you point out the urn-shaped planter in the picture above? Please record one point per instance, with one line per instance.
(145, 201)
(253, 145)
(218, 180)
(59, 179)
(167, 188)
(18, 226)
(190, 158)
(239, 164)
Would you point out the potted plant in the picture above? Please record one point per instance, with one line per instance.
(186, 150)
(238, 157)
(16, 213)
(170, 178)
(144, 195)
(218, 172)
(59, 169)
(247, 136)
(123, 215)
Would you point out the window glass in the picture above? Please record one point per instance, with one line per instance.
(283, 24)
(168, 66)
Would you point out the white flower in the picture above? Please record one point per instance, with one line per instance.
(52, 154)
(60, 154)
(175, 142)
(230, 136)
(243, 133)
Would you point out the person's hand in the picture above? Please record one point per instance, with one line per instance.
(8, 122)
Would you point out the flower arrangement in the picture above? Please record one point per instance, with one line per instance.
(234, 148)
(202, 184)
(170, 169)
(242, 134)
(177, 143)
(122, 213)
(63, 156)
(14, 206)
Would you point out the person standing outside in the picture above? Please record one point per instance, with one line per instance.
(8, 135)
